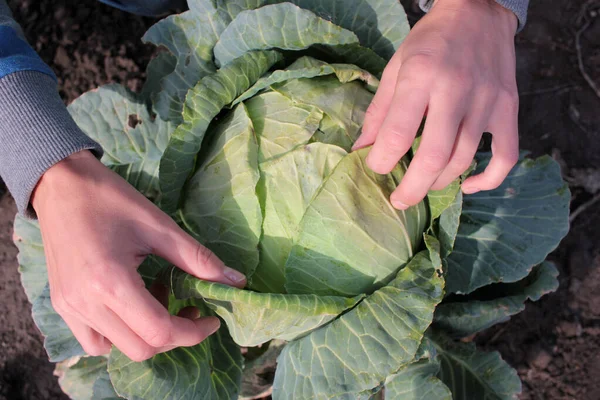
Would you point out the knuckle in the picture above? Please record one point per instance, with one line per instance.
(396, 138)
(488, 89)
(434, 162)
(420, 64)
(158, 336)
(372, 111)
(70, 299)
(510, 159)
(140, 353)
(460, 164)
(93, 349)
(461, 78)
(100, 285)
(204, 256)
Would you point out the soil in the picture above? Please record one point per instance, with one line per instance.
(554, 344)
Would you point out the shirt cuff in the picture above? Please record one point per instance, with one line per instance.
(36, 132)
(518, 7)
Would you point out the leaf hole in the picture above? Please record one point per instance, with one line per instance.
(133, 121)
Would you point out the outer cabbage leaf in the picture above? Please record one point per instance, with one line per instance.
(440, 200)
(504, 232)
(280, 26)
(221, 208)
(466, 315)
(353, 354)
(132, 138)
(32, 261)
(160, 66)
(254, 318)
(379, 24)
(202, 104)
(78, 376)
(418, 380)
(211, 370)
(59, 342)
(351, 240)
(103, 388)
(288, 184)
(473, 374)
(190, 37)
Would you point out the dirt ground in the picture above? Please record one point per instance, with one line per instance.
(554, 344)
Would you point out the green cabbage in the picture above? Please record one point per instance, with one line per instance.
(244, 137)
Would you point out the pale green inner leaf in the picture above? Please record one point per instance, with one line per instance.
(289, 184)
(351, 240)
(221, 207)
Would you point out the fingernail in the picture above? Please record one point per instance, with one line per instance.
(212, 324)
(234, 276)
(470, 189)
(399, 205)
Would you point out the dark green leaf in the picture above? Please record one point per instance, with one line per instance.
(504, 232)
(466, 315)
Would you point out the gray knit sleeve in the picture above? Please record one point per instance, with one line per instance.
(519, 7)
(36, 130)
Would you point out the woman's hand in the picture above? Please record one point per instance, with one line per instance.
(457, 66)
(96, 230)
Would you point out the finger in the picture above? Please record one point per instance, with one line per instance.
(439, 136)
(467, 142)
(149, 319)
(173, 244)
(399, 128)
(503, 126)
(380, 104)
(91, 341)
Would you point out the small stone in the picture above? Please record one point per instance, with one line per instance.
(61, 58)
(571, 329)
(540, 359)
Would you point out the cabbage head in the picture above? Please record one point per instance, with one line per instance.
(243, 133)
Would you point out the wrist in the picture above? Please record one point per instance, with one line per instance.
(58, 178)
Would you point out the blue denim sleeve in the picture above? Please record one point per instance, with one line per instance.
(15, 52)
(148, 8)
(17, 55)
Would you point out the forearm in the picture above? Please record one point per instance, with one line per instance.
(36, 130)
(518, 7)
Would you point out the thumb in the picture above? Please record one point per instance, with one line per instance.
(176, 246)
